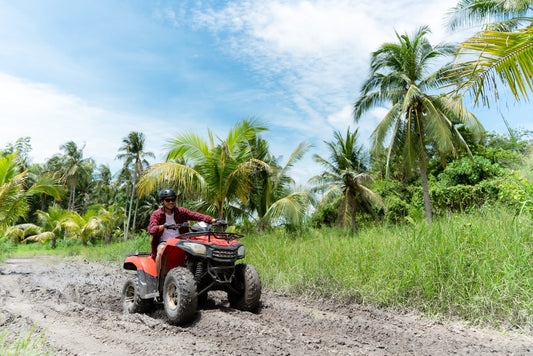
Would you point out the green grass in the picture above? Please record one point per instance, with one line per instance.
(100, 251)
(21, 342)
(475, 267)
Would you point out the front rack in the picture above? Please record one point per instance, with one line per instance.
(228, 236)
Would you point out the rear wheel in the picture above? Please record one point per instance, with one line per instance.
(247, 286)
(131, 300)
(179, 295)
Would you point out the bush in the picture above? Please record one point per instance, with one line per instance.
(466, 172)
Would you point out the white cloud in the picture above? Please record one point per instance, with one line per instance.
(52, 118)
(317, 50)
(343, 118)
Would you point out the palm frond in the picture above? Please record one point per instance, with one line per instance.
(486, 12)
(292, 207)
(503, 56)
(188, 146)
(47, 184)
(42, 237)
(182, 176)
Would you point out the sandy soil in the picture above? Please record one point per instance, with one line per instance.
(75, 304)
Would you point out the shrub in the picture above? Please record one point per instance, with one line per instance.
(466, 172)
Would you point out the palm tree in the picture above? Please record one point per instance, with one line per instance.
(22, 233)
(344, 178)
(40, 175)
(492, 15)
(103, 188)
(76, 169)
(501, 51)
(273, 196)
(218, 173)
(134, 155)
(85, 226)
(14, 194)
(418, 117)
(12, 206)
(54, 221)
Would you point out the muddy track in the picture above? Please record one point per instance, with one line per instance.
(76, 306)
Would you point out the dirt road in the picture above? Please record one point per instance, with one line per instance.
(76, 306)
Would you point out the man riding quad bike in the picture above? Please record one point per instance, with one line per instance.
(191, 265)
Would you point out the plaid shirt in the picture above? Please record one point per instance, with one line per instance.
(181, 215)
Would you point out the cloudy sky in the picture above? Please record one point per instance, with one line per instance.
(93, 71)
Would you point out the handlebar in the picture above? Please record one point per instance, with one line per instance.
(218, 223)
(175, 226)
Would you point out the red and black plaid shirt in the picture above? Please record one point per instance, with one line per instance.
(181, 215)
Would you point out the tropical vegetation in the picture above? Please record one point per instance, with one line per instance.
(419, 119)
(437, 215)
(500, 54)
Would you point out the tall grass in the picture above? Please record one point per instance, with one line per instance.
(477, 267)
(19, 342)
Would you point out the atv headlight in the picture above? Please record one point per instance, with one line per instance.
(198, 249)
(240, 251)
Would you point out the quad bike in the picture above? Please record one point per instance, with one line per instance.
(191, 265)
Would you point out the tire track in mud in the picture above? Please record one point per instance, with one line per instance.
(75, 304)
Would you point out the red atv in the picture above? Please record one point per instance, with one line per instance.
(191, 265)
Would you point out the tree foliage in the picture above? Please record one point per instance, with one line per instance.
(216, 172)
(401, 76)
(501, 53)
(344, 179)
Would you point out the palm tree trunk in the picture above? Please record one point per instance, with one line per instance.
(354, 211)
(135, 213)
(72, 195)
(425, 188)
(129, 214)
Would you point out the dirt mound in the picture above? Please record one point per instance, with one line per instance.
(75, 304)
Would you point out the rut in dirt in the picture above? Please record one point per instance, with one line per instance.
(75, 305)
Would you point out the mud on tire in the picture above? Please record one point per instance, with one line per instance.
(248, 285)
(131, 300)
(179, 295)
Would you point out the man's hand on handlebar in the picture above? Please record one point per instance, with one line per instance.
(175, 226)
(221, 222)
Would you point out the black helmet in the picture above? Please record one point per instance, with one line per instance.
(165, 193)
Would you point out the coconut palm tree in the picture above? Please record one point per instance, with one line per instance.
(492, 15)
(344, 178)
(501, 53)
(14, 194)
(53, 222)
(104, 189)
(110, 217)
(134, 155)
(419, 117)
(76, 169)
(21, 232)
(273, 196)
(87, 225)
(12, 204)
(217, 172)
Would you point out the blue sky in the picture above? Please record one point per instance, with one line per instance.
(93, 71)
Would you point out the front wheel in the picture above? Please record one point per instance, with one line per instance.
(246, 291)
(179, 295)
(131, 300)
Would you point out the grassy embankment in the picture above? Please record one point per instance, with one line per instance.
(477, 267)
